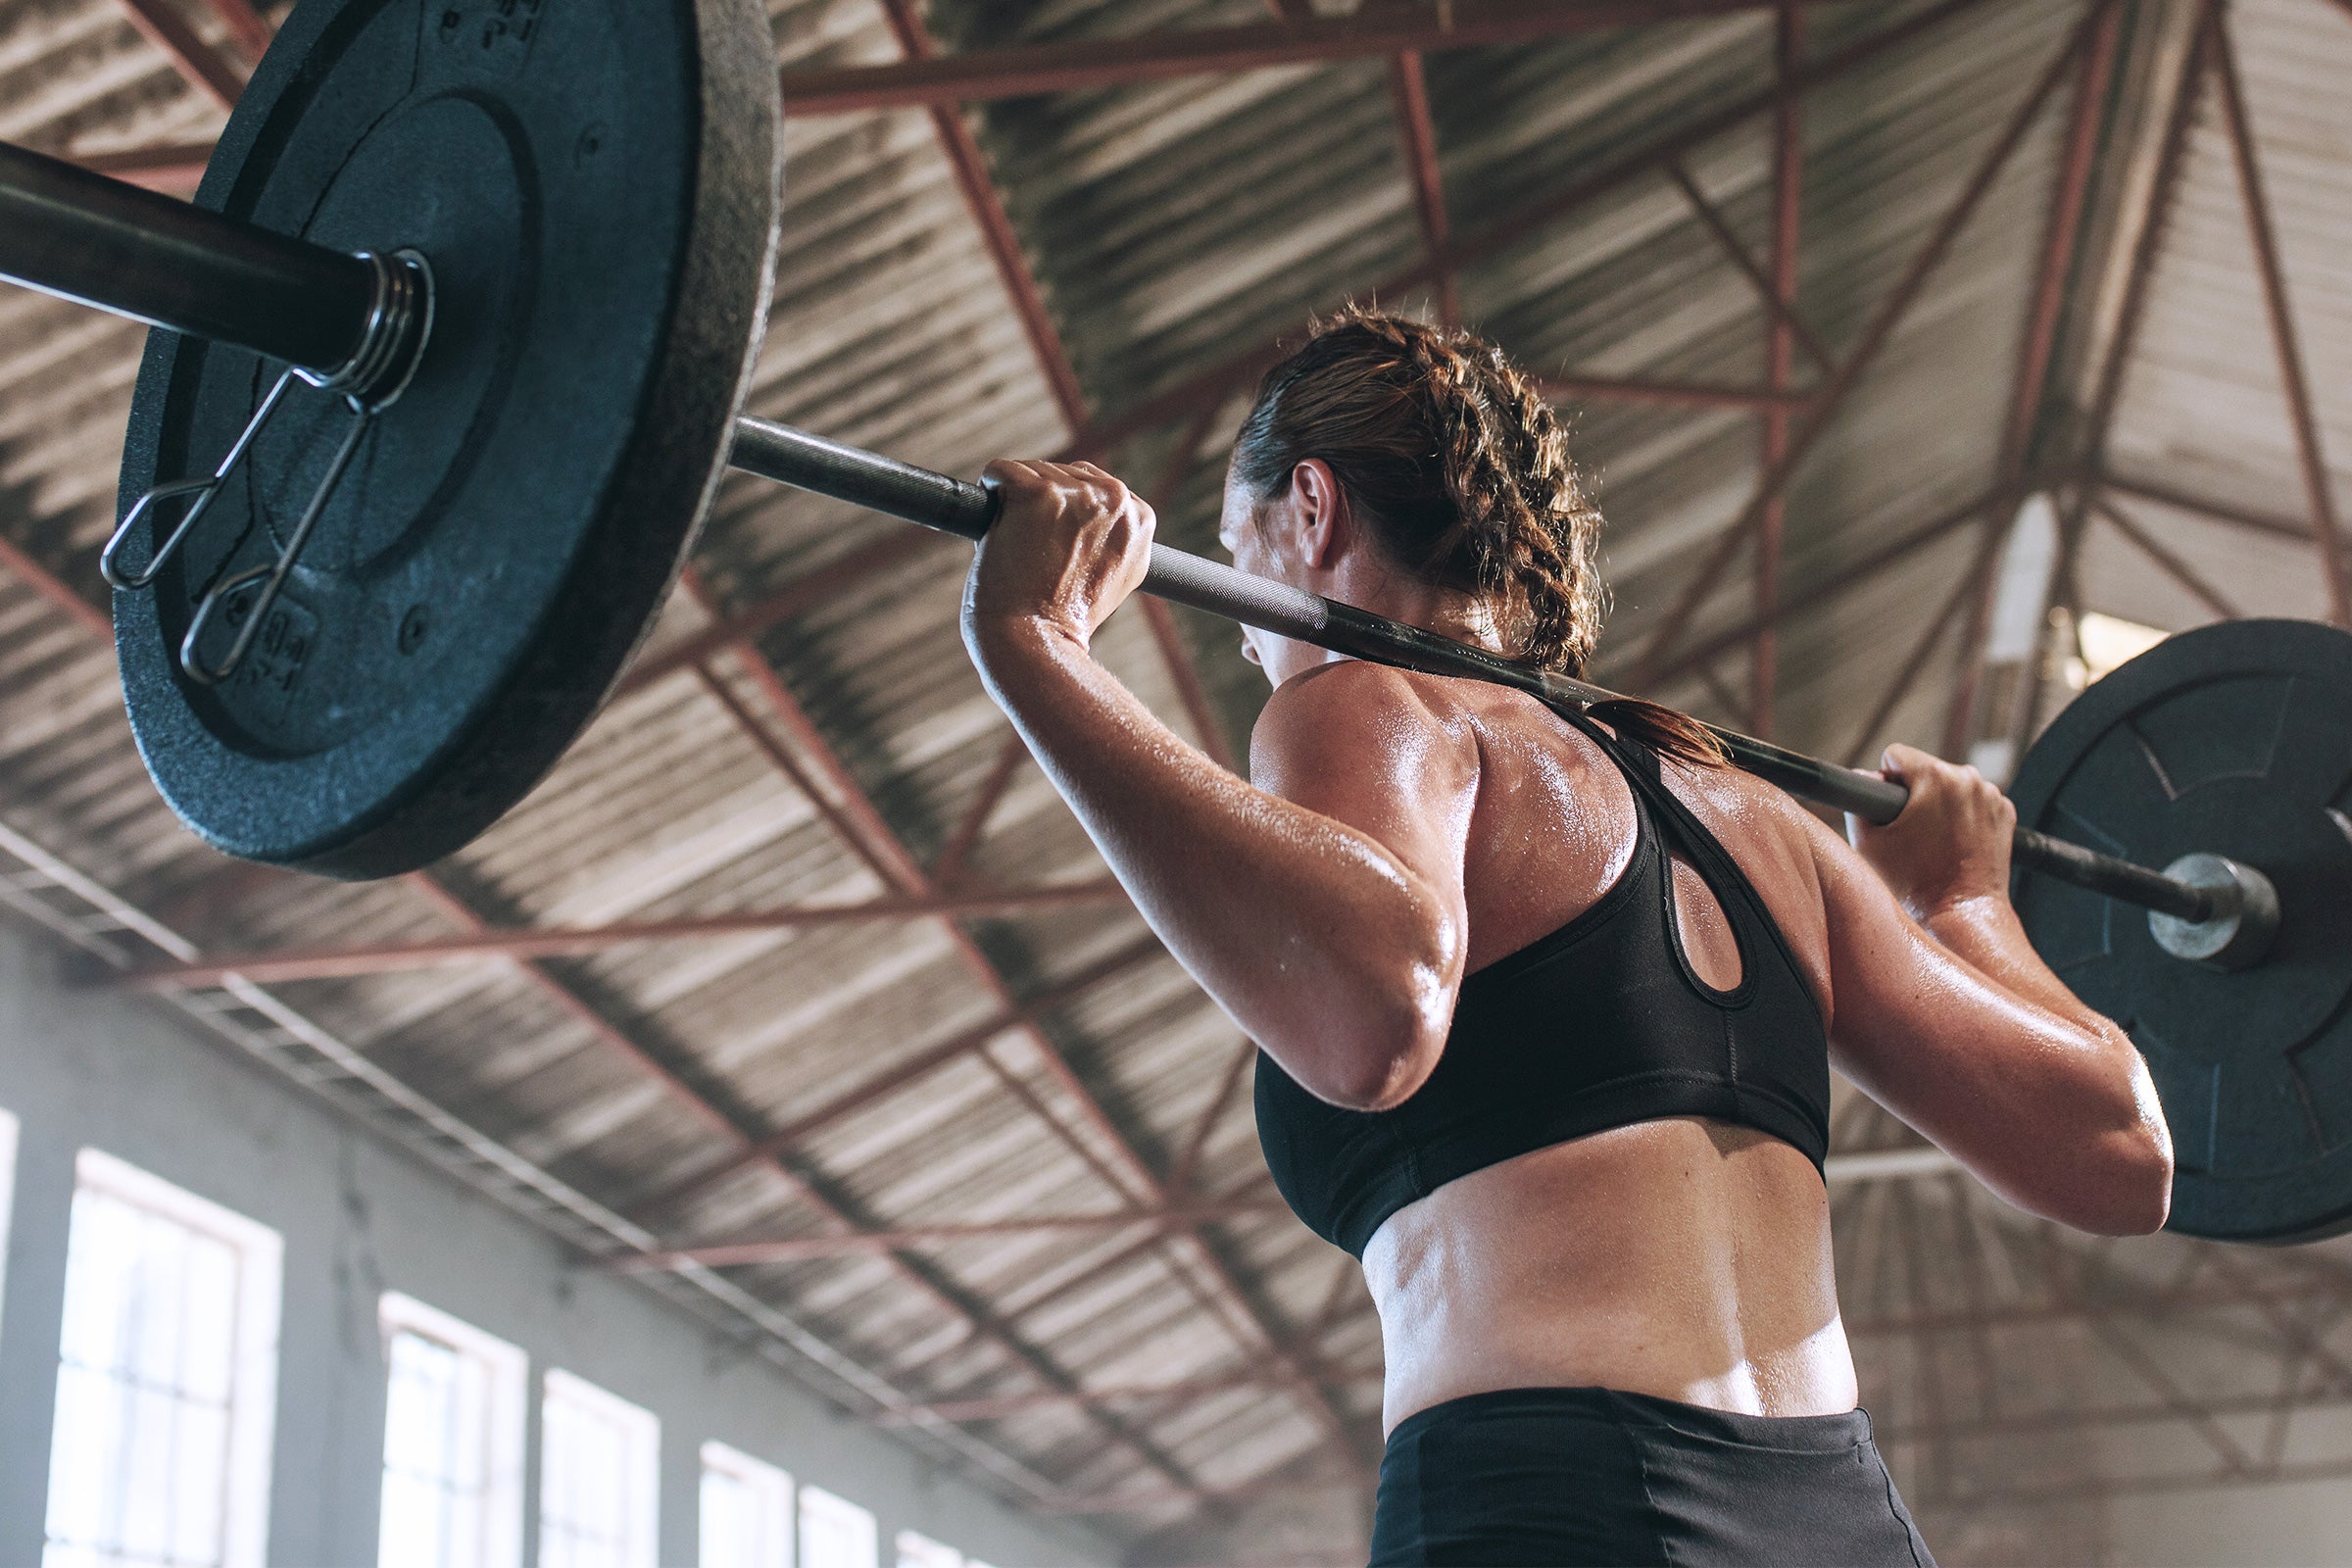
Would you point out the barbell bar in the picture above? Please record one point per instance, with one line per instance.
(359, 324)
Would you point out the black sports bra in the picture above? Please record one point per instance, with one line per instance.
(1600, 1024)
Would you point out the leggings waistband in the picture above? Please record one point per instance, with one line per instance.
(1804, 1434)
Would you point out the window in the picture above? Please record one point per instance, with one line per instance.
(598, 1478)
(834, 1533)
(747, 1511)
(919, 1550)
(2107, 641)
(453, 1442)
(166, 1381)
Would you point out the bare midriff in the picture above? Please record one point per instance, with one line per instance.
(1684, 1259)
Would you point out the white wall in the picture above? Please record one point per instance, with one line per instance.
(2290, 1524)
(359, 1217)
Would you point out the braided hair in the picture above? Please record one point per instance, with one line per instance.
(1457, 467)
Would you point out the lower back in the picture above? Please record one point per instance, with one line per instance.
(1682, 1258)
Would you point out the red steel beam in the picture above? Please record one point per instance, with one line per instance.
(2291, 529)
(946, 868)
(1787, 190)
(900, 1075)
(1783, 311)
(2069, 197)
(982, 1322)
(175, 168)
(986, 204)
(204, 67)
(1881, 331)
(1218, 381)
(1849, 575)
(1767, 400)
(1192, 692)
(1010, 1405)
(1971, 582)
(1408, 87)
(757, 1250)
(328, 961)
(2173, 566)
(250, 28)
(827, 583)
(2283, 339)
(1418, 26)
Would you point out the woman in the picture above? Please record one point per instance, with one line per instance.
(1547, 1003)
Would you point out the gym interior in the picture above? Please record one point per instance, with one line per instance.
(750, 1123)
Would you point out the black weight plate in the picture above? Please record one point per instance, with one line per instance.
(2236, 739)
(594, 184)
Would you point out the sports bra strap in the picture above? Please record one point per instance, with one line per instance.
(1647, 777)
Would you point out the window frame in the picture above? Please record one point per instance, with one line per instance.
(642, 1430)
(775, 1491)
(824, 1499)
(506, 1414)
(260, 1252)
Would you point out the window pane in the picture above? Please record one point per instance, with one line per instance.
(598, 1483)
(144, 1463)
(834, 1533)
(747, 1511)
(919, 1550)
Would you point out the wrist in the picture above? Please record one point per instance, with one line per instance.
(1004, 641)
(1967, 910)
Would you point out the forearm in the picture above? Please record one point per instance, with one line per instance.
(1308, 933)
(1985, 933)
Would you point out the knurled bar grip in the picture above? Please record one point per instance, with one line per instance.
(957, 507)
(108, 243)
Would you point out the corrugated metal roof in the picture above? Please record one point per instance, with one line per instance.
(1170, 225)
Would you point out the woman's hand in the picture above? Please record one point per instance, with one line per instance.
(1069, 546)
(1950, 845)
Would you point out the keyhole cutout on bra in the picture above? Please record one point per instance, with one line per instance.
(1701, 927)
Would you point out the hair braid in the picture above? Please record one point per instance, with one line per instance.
(1458, 465)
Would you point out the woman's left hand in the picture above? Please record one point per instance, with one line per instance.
(1069, 546)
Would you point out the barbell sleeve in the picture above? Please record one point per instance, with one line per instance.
(112, 245)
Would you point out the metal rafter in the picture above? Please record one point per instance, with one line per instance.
(2309, 451)
(204, 67)
(829, 1210)
(1409, 88)
(1781, 311)
(1026, 70)
(335, 962)
(1219, 380)
(1890, 316)
(763, 1249)
(2167, 560)
(1779, 353)
(986, 203)
(2229, 514)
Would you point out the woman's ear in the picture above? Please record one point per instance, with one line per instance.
(1322, 513)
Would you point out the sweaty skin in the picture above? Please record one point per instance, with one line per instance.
(1399, 831)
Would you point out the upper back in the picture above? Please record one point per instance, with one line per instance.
(1581, 1009)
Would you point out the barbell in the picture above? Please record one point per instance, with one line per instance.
(457, 335)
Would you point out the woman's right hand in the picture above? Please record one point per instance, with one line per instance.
(1951, 843)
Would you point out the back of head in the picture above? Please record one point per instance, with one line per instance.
(1456, 467)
